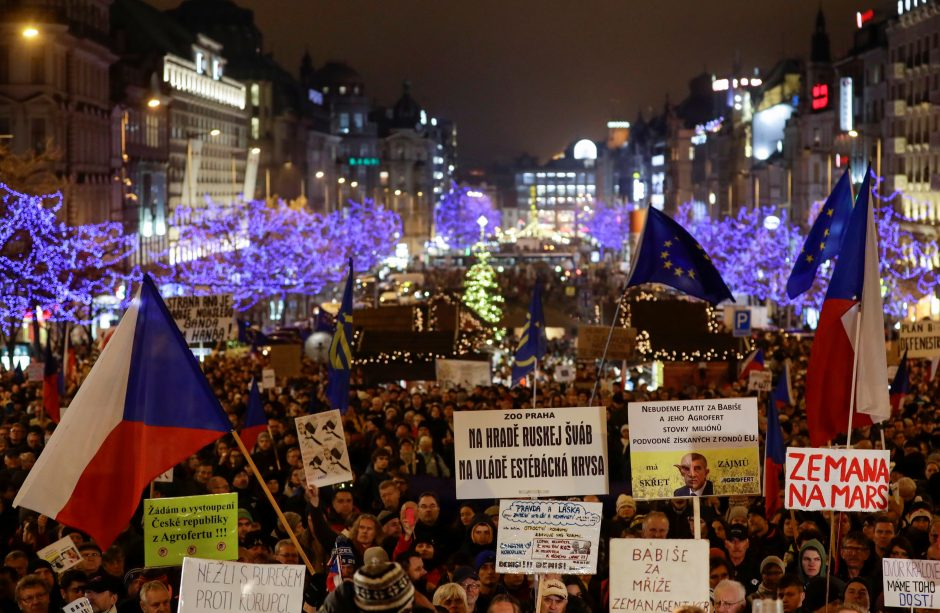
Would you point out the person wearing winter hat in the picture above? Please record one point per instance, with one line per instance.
(771, 571)
(480, 537)
(812, 561)
(382, 587)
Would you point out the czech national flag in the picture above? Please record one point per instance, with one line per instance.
(145, 407)
(755, 361)
(852, 310)
(900, 387)
(775, 456)
(256, 421)
(50, 385)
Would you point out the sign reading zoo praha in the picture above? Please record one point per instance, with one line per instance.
(539, 536)
(176, 528)
(911, 583)
(836, 479)
(681, 448)
(920, 339)
(204, 319)
(211, 587)
(531, 452)
(658, 574)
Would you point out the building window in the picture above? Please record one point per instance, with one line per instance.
(37, 69)
(344, 122)
(255, 128)
(216, 68)
(342, 90)
(255, 95)
(358, 121)
(200, 62)
(37, 134)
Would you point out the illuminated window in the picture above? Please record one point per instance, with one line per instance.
(691, 153)
(255, 95)
(342, 90)
(200, 62)
(255, 128)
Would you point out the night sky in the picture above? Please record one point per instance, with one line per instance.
(523, 76)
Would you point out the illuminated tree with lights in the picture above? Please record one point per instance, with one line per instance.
(364, 231)
(609, 225)
(456, 216)
(481, 291)
(47, 265)
(257, 252)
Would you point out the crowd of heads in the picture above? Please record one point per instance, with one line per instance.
(396, 539)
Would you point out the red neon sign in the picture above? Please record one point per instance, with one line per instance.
(820, 96)
(863, 17)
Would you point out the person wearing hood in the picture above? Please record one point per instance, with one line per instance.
(812, 561)
(480, 537)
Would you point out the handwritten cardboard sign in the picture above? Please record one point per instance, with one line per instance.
(204, 319)
(531, 452)
(658, 574)
(911, 583)
(759, 381)
(175, 528)
(539, 536)
(920, 339)
(837, 479)
(210, 586)
(694, 447)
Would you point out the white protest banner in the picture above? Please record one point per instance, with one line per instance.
(268, 381)
(323, 448)
(531, 452)
(462, 373)
(204, 319)
(836, 479)
(920, 339)
(759, 381)
(210, 586)
(82, 605)
(658, 574)
(911, 583)
(539, 536)
(694, 447)
(62, 554)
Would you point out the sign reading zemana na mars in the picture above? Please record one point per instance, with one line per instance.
(837, 479)
(531, 452)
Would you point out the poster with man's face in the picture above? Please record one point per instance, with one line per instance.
(686, 448)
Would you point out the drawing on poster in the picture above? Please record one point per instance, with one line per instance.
(323, 448)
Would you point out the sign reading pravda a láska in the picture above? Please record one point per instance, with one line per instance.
(531, 452)
(836, 479)
(658, 574)
(709, 447)
(911, 583)
(539, 536)
(209, 586)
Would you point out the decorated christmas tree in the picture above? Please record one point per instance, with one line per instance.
(481, 291)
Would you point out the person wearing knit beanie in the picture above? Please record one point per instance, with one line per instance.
(382, 587)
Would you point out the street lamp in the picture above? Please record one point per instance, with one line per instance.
(30, 32)
(482, 221)
(190, 174)
(854, 134)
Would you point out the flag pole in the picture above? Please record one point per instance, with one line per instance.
(277, 509)
(535, 373)
(858, 333)
(610, 334)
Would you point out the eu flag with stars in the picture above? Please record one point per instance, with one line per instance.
(669, 255)
(337, 389)
(533, 342)
(824, 239)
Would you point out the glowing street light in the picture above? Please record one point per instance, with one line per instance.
(319, 174)
(215, 132)
(30, 32)
(153, 103)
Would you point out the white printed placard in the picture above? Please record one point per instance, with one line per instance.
(204, 319)
(694, 447)
(658, 574)
(462, 373)
(323, 448)
(210, 586)
(82, 605)
(62, 554)
(268, 381)
(531, 452)
(540, 536)
(911, 583)
(836, 479)
(759, 381)
(920, 339)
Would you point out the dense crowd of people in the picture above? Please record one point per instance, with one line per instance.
(397, 539)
